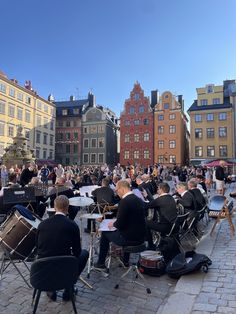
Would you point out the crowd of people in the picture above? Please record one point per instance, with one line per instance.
(134, 189)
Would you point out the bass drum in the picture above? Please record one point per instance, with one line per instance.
(151, 263)
(18, 234)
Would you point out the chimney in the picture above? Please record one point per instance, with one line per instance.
(28, 85)
(91, 99)
(72, 98)
(181, 101)
(14, 81)
(154, 98)
(51, 98)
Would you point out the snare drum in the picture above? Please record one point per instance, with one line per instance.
(151, 259)
(17, 235)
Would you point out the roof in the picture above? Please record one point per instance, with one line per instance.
(195, 107)
(70, 105)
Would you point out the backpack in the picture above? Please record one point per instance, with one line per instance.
(187, 262)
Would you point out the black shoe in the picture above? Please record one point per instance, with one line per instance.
(52, 295)
(100, 266)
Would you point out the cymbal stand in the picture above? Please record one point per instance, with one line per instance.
(92, 249)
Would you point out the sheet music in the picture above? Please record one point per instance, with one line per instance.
(104, 225)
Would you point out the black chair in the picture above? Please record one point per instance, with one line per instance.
(54, 273)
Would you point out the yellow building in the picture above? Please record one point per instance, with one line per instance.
(23, 106)
(211, 124)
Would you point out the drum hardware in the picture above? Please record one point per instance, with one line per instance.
(17, 239)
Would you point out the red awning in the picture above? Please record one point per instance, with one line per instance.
(216, 163)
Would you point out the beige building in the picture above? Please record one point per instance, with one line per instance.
(212, 123)
(23, 106)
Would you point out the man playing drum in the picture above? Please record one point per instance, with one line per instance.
(58, 235)
(130, 224)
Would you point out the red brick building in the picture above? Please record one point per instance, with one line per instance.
(136, 129)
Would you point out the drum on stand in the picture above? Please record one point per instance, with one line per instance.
(17, 235)
(151, 263)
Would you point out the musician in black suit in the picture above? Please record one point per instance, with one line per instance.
(198, 196)
(58, 236)
(165, 213)
(130, 224)
(186, 198)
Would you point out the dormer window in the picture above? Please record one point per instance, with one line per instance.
(136, 96)
(209, 88)
(64, 112)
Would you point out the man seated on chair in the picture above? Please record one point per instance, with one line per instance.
(165, 213)
(130, 224)
(58, 235)
(186, 198)
(198, 196)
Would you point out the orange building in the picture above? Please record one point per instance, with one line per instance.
(171, 137)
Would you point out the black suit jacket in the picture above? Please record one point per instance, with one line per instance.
(131, 219)
(56, 236)
(199, 198)
(104, 194)
(188, 201)
(166, 207)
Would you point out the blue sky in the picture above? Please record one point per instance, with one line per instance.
(74, 46)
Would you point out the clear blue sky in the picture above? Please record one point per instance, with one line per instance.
(69, 47)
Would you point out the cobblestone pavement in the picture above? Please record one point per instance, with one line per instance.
(214, 292)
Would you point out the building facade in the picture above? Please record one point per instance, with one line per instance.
(136, 129)
(171, 143)
(23, 106)
(212, 123)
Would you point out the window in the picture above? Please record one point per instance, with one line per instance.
(101, 129)
(45, 138)
(86, 158)
(45, 108)
(51, 154)
(101, 158)
(198, 133)
(136, 154)
(2, 107)
(85, 130)
(37, 153)
(160, 117)
(210, 132)
(19, 113)
(51, 140)
(136, 122)
(60, 136)
(2, 128)
(146, 154)
(101, 142)
(160, 159)
(127, 122)
(172, 129)
(3, 88)
(222, 116)
(28, 100)
(67, 123)
(146, 137)
(160, 144)
(203, 102)
(51, 125)
(93, 129)
(172, 116)
(172, 144)
(93, 158)
(45, 123)
(141, 109)
(38, 137)
(210, 151)
(210, 88)
(172, 159)
(93, 142)
(198, 118)
(198, 151)
(216, 101)
(223, 150)
(11, 131)
(136, 137)
(127, 138)
(38, 120)
(136, 96)
(60, 123)
(12, 92)
(131, 110)
(11, 111)
(76, 111)
(86, 143)
(44, 154)
(75, 148)
(67, 148)
(210, 117)
(166, 106)
(145, 121)
(126, 154)
(74, 123)
(27, 116)
(67, 136)
(160, 129)
(76, 136)
(39, 105)
(64, 112)
(223, 132)
(19, 96)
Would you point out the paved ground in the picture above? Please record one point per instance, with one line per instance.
(214, 292)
